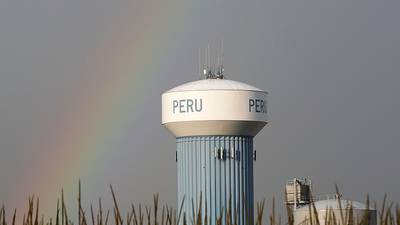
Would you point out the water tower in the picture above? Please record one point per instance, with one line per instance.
(214, 121)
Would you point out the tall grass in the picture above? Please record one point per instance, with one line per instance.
(166, 215)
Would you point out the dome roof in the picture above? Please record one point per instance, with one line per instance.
(334, 204)
(214, 84)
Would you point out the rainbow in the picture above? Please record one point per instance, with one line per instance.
(124, 63)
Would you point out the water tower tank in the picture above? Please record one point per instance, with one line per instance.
(214, 121)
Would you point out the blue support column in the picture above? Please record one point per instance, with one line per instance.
(221, 169)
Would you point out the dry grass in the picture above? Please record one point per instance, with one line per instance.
(165, 215)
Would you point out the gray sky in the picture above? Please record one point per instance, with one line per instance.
(332, 68)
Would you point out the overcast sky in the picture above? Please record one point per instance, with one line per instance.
(332, 68)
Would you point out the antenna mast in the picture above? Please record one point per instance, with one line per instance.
(215, 71)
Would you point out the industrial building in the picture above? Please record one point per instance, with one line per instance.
(300, 200)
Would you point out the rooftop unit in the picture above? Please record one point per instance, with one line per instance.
(298, 192)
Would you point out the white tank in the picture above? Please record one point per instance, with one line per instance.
(301, 215)
(214, 107)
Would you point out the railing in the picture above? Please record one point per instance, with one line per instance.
(306, 200)
(326, 197)
(302, 181)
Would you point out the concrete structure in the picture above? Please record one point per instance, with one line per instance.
(214, 121)
(298, 197)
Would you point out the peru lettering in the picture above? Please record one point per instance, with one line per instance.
(187, 105)
(257, 105)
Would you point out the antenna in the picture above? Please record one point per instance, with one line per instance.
(199, 62)
(213, 66)
(221, 63)
(208, 57)
(222, 52)
(205, 69)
